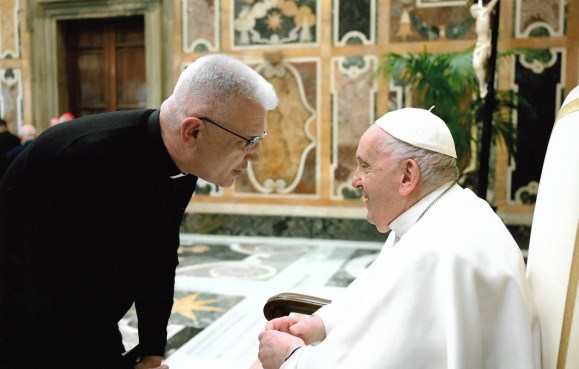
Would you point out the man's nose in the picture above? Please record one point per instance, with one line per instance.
(356, 181)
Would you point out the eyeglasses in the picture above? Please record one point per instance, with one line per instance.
(249, 142)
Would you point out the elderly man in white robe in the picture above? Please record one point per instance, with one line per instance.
(448, 289)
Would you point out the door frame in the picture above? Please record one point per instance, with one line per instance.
(49, 96)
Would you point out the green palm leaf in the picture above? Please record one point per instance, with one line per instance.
(448, 82)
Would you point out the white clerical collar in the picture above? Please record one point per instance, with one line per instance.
(178, 175)
(406, 220)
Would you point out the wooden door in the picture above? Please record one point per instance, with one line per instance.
(106, 68)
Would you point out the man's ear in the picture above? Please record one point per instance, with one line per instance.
(190, 130)
(410, 177)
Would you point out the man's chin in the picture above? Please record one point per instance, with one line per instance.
(383, 229)
(226, 183)
(379, 227)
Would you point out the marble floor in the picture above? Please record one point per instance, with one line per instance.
(223, 282)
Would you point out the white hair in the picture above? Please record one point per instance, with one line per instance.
(27, 132)
(435, 168)
(219, 79)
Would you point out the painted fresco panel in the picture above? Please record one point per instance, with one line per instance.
(353, 96)
(539, 18)
(289, 154)
(354, 22)
(411, 21)
(275, 22)
(9, 35)
(11, 97)
(200, 25)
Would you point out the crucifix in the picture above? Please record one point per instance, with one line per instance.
(485, 54)
(482, 50)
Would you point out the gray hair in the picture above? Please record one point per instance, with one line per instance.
(218, 79)
(435, 168)
(27, 132)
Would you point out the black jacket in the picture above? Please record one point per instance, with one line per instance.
(8, 141)
(89, 225)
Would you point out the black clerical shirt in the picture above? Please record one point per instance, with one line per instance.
(89, 225)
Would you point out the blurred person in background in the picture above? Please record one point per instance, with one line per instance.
(26, 134)
(7, 142)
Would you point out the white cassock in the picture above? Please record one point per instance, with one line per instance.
(450, 292)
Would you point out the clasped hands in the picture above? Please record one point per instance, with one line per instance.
(282, 336)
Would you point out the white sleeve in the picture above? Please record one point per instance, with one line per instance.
(335, 312)
(438, 311)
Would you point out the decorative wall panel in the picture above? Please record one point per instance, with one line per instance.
(354, 22)
(532, 139)
(275, 22)
(421, 20)
(11, 97)
(201, 26)
(353, 110)
(396, 95)
(439, 3)
(9, 35)
(289, 156)
(321, 56)
(536, 18)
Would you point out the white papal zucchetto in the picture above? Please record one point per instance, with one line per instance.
(420, 128)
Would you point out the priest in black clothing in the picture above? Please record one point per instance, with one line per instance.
(90, 215)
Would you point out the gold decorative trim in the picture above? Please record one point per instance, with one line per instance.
(572, 107)
(571, 297)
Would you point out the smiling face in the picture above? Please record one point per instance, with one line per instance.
(380, 179)
(214, 154)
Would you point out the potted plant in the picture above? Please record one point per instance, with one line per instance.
(447, 81)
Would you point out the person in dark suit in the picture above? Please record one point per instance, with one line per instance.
(26, 134)
(90, 215)
(7, 142)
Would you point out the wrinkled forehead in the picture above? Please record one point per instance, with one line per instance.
(371, 144)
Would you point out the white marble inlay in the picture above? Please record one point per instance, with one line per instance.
(231, 340)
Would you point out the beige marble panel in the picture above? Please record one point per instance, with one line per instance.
(423, 20)
(353, 91)
(538, 16)
(9, 36)
(288, 154)
(200, 25)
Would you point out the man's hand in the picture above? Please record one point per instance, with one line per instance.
(309, 328)
(151, 362)
(275, 347)
(283, 324)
